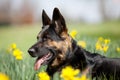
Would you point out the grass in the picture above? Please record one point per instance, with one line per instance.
(24, 36)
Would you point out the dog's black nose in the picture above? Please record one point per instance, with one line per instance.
(31, 51)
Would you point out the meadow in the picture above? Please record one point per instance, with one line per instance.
(23, 36)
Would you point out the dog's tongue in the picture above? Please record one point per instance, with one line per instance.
(39, 62)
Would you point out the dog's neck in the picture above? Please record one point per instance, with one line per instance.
(77, 58)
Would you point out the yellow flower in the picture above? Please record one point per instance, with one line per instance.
(83, 77)
(98, 46)
(76, 78)
(100, 39)
(73, 33)
(107, 41)
(82, 44)
(102, 44)
(105, 48)
(18, 54)
(118, 49)
(43, 76)
(19, 57)
(13, 46)
(15, 51)
(4, 77)
(68, 73)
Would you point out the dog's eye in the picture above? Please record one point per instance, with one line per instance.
(37, 37)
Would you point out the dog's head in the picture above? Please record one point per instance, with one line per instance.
(53, 41)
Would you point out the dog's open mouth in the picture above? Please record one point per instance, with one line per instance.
(42, 60)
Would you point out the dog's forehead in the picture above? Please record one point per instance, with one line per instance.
(44, 29)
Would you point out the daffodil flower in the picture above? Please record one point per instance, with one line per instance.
(3, 76)
(105, 48)
(13, 46)
(73, 33)
(19, 57)
(83, 77)
(82, 44)
(118, 49)
(68, 73)
(102, 44)
(43, 76)
(18, 54)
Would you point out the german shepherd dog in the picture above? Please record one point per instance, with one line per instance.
(57, 49)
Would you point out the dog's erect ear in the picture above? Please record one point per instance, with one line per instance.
(45, 19)
(59, 21)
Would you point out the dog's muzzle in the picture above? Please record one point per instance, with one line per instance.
(44, 56)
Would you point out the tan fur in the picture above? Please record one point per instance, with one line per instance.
(63, 47)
